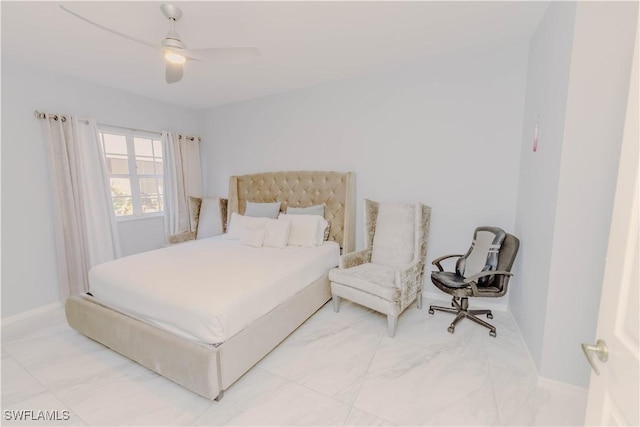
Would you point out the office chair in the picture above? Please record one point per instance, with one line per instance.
(484, 271)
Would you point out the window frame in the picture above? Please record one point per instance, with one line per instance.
(133, 176)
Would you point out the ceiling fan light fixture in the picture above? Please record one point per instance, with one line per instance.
(174, 57)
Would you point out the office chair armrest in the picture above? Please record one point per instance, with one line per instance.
(474, 278)
(354, 259)
(437, 261)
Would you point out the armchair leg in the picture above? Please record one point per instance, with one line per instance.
(392, 323)
(419, 298)
(336, 303)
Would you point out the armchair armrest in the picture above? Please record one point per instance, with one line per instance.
(182, 237)
(437, 261)
(412, 272)
(472, 280)
(354, 259)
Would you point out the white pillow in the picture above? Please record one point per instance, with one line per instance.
(309, 210)
(253, 236)
(209, 221)
(238, 223)
(267, 210)
(306, 230)
(277, 233)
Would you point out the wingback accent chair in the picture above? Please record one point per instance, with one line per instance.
(484, 271)
(387, 276)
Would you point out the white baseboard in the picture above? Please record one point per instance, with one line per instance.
(560, 386)
(31, 313)
(485, 302)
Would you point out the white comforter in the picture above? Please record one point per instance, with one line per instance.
(208, 290)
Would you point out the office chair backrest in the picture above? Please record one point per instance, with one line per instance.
(483, 255)
(507, 256)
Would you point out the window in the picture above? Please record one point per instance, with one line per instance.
(133, 162)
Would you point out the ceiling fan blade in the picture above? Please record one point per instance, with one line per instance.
(174, 72)
(224, 55)
(151, 45)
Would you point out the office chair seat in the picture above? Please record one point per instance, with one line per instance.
(449, 279)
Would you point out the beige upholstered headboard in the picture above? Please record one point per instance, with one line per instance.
(301, 189)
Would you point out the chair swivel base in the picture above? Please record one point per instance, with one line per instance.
(461, 310)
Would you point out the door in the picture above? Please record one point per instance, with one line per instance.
(614, 397)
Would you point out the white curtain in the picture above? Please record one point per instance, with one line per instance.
(85, 226)
(182, 178)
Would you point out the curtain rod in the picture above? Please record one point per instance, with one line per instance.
(190, 138)
(128, 128)
(56, 117)
(63, 118)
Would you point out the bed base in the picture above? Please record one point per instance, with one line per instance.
(201, 368)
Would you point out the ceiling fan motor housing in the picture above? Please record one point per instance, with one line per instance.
(172, 41)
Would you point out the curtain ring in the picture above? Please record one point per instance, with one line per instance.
(64, 119)
(55, 117)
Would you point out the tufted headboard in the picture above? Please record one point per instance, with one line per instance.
(301, 189)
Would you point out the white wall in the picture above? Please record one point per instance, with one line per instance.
(446, 133)
(578, 80)
(596, 106)
(29, 275)
(546, 99)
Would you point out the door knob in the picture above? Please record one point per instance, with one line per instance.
(600, 350)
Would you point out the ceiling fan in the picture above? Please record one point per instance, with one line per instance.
(175, 51)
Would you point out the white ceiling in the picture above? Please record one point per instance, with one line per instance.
(301, 43)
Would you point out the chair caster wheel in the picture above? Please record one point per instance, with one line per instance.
(492, 333)
(451, 329)
(489, 316)
(431, 311)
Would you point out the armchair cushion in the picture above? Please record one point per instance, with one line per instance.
(394, 238)
(371, 278)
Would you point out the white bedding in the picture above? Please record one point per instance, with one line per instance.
(208, 290)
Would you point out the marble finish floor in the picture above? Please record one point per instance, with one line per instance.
(336, 369)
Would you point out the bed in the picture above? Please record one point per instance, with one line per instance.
(208, 357)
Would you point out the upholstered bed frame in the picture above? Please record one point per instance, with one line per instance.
(209, 370)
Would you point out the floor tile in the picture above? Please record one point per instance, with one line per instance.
(262, 398)
(515, 393)
(141, 399)
(336, 369)
(40, 325)
(358, 417)
(418, 327)
(412, 385)
(325, 357)
(560, 407)
(37, 349)
(355, 317)
(17, 383)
